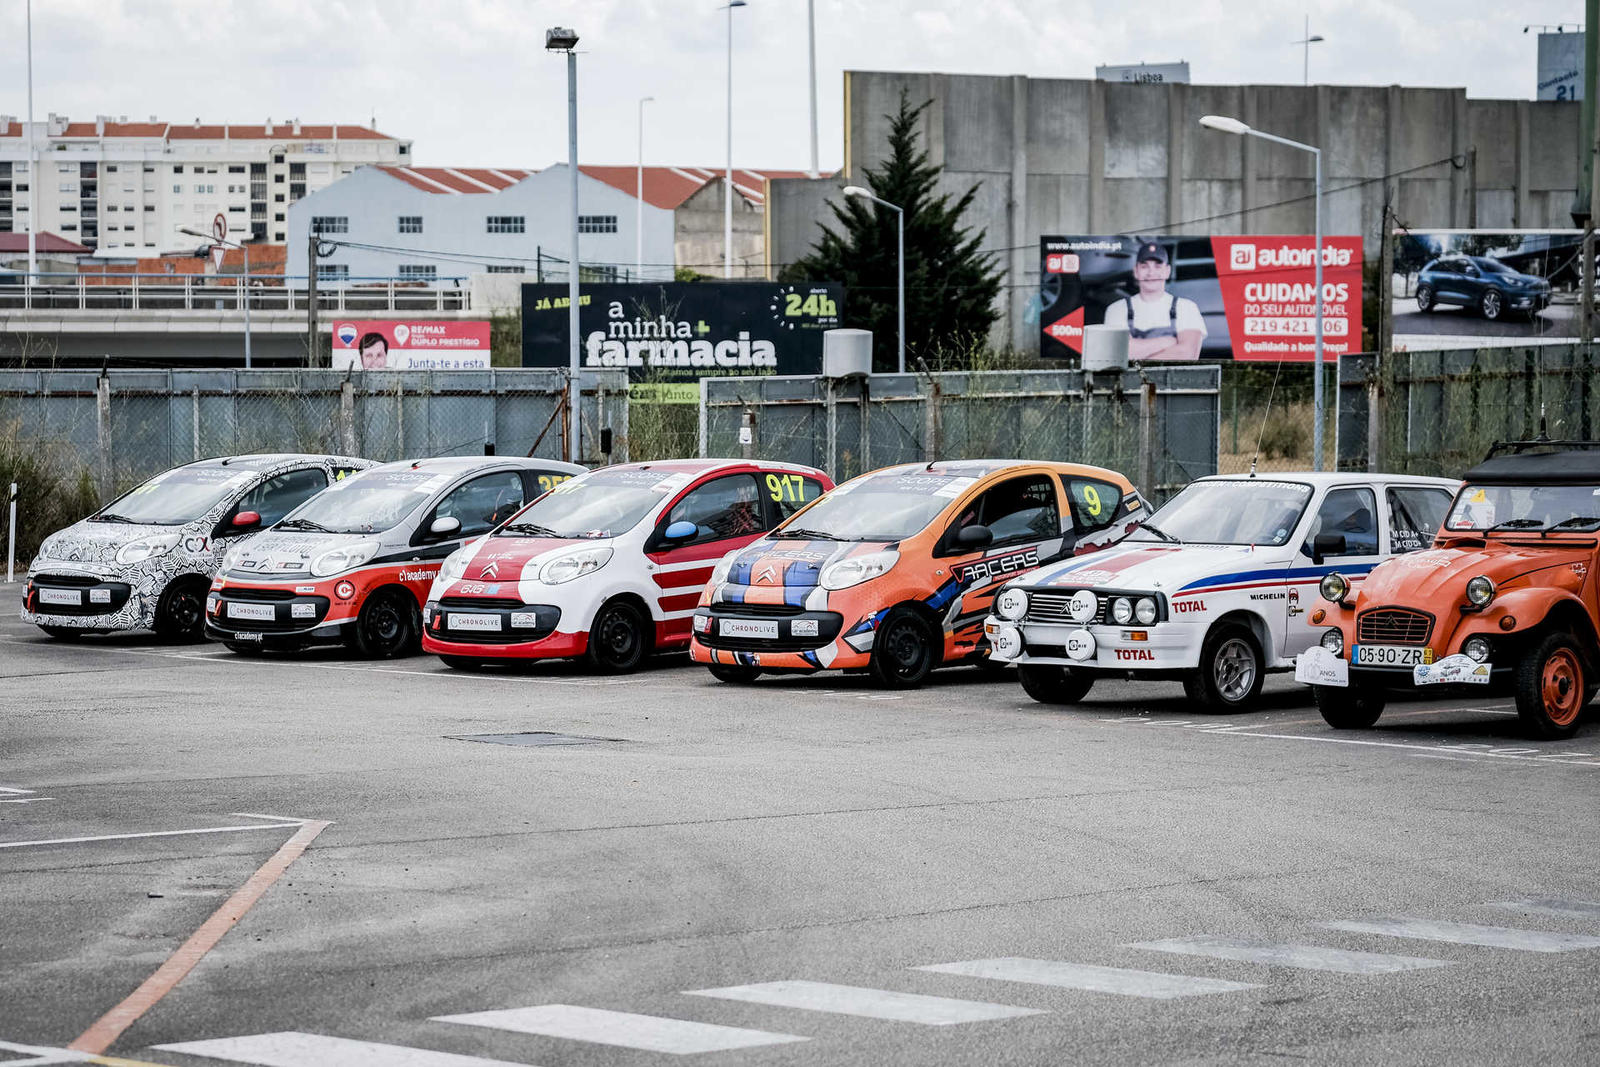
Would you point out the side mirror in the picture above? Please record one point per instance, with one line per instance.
(681, 530)
(246, 520)
(1326, 545)
(444, 526)
(974, 537)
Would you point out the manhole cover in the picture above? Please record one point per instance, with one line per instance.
(534, 739)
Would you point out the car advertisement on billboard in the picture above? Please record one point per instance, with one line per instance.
(1465, 288)
(1188, 298)
(670, 335)
(410, 344)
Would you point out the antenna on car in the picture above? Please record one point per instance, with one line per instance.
(1262, 431)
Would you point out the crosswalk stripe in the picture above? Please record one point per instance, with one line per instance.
(1565, 909)
(1470, 934)
(625, 1029)
(291, 1048)
(1305, 957)
(870, 1003)
(1152, 984)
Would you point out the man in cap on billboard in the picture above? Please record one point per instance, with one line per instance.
(1159, 324)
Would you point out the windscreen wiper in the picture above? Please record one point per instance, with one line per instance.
(303, 524)
(809, 535)
(1516, 524)
(111, 516)
(530, 528)
(1577, 520)
(1159, 532)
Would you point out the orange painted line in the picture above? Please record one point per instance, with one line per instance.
(111, 1025)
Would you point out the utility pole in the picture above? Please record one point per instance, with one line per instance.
(313, 348)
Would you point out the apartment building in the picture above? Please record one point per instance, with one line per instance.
(127, 188)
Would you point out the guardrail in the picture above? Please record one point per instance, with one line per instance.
(211, 293)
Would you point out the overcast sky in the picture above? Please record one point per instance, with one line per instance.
(470, 83)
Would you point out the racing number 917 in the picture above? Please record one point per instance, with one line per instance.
(786, 487)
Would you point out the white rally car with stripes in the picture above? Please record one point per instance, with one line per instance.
(1214, 588)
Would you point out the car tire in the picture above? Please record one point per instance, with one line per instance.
(462, 663)
(243, 648)
(387, 625)
(1231, 671)
(1054, 685)
(1551, 687)
(181, 611)
(1492, 305)
(1355, 707)
(905, 650)
(62, 633)
(1424, 299)
(733, 673)
(618, 638)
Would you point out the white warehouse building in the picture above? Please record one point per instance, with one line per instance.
(436, 225)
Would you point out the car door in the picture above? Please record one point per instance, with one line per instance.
(1347, 511)
(1447, 282)
(728, 513)
(479, 504)
(1023, 514)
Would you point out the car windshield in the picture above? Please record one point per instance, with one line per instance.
(887, 506)
(179, 496)
(369, 502)
(1525, 507)
(602, 504)
(1244, 511)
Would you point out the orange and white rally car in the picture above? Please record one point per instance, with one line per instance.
(353, 563)
(894, 571)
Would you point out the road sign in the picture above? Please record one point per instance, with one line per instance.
(219, 230)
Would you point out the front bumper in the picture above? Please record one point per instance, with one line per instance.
(795, 640)
(518, 631)
(1150, 651)
(281, 616)
(94, 602)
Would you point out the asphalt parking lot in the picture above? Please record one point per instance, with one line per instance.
(349, 869)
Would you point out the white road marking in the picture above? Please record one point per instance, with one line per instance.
(1469, 934)
(1152, 984)
(869, 1003)
(1305, 957)
(155, 833)
(1566, 909)
(290, 1048)
(13, 789)
(40, 1056)
(680, 1037)
(25, 800)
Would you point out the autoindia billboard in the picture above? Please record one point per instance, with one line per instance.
(1470, 288)
(669, 335)
(1183, 298)
(410, 344)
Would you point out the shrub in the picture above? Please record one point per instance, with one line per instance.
(54, 488)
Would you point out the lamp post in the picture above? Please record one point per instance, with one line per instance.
(638, 201)
(727, 189)
(1234, 126)
(900, 261)
(33, 168)
(1308, 41)
(224, 242)
(559, 39)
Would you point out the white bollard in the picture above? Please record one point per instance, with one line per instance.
(11, 536)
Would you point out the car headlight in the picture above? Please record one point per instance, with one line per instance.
(1011, 604)
(147, 548)
(1476, 648)
(857, 569)
(719, 573)
(574, 565)
(47, 547)
(1334, 587)
(343, 558)
(1122, 611)
(455, 565)
(1480, 591)
(1145, 610)
(1333, 641)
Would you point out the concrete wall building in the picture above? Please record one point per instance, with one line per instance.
(1078, 156)
(118, 185)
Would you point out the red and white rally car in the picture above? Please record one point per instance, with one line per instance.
(608, 565)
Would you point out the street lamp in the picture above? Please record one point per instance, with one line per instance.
(1308, 41)
(559, 39)
(215, 240)
(727, 191)
(638, 201)
(900, 260)
(1232, 125)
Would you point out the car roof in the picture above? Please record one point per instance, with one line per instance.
(467, 464)
(1566, 467)
(1321, 479)
(707, 466)
(983, 468)
(259, 461)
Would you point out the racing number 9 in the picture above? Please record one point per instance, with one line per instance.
(1092, 499)
(790, 487)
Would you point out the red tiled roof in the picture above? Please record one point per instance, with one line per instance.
(668, 187)
(43, 242)
(458, 179)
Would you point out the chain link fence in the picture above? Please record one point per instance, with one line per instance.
(1158, 426)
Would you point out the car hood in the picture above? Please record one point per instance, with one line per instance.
(96, 542)
(498, 560)
(793, 562)
(269, 554)
(1441, 574)
(1159, 567)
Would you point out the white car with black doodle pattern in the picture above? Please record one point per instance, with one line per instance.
(1213, 587)
(145, 560)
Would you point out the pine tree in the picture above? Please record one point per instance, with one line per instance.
(951, 286)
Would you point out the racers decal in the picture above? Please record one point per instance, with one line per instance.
(997, 566)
